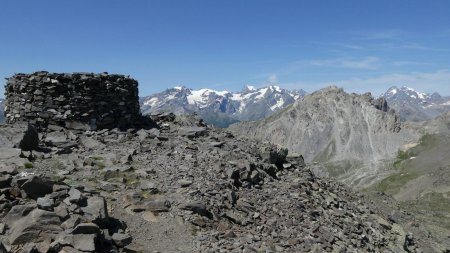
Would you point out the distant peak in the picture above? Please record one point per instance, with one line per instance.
(250, 87)
(393, 88)
(178, 88)
(332, 88)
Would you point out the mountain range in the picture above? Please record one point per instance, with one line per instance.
(412, 105)
(222, 108)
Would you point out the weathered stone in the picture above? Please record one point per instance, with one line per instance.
(157, 205)
(36, 187)
(121, 239)
(196, 207)
(37, 225)
(274, 155)
(83, 242)
(56, 138)
(86, 228)
(95, 210)
(71, 222)
(45, 203)
(74, 195)
(17, 212)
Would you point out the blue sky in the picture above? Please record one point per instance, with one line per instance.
(359, 45)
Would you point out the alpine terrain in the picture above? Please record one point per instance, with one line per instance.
(167, 183)
(413, 105)
(222, 108)
(354, 136)
(420, 179)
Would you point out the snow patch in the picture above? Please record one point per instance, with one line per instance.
(250, 87)
(279, 104)
(261, 92)
(202, 96)
(237, 97)
(275, 88)
(170, 97)
(151, 102)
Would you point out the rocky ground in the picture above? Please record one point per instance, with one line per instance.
(177, 187)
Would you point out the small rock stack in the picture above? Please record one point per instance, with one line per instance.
(84, 101)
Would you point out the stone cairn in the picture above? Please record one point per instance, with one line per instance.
(84, 101)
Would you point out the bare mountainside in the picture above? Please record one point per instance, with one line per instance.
(354, 136)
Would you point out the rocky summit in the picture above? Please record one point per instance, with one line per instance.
(177, 187)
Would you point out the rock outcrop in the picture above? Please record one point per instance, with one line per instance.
(78, 100)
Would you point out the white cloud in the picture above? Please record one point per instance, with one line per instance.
(273, 79)
(438, 81)
(382, 35)
(409, 63)
(370, 63)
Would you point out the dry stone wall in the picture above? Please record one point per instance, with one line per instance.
(85, 101)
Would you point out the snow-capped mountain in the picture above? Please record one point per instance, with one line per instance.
(222, 108)
(413, 105)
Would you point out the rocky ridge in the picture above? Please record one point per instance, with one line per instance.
(350, 134)
(179, 187)
(221, 108)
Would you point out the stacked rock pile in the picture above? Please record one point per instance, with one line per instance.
(76, 101)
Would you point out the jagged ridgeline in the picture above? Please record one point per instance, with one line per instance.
(352, 134)
(175, 186)
(73, 100)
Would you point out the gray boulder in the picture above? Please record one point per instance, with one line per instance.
(37, 225)
(36, 187)
(46, 203)
(121, 239)
(96, 210)
(18, 212)
(274, 154)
